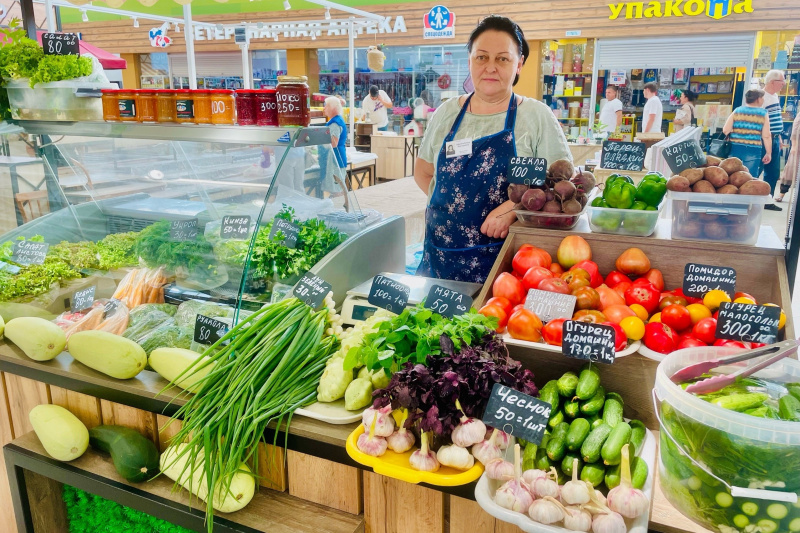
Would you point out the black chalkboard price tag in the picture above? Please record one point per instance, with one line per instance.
(235, 227)
(389, 294)
(748, 322)
(621, 155)
(290, 232)
(447, 302)
(83, 299)
(183, 230)
(207, 330)
(29, 252)
(699, 279)
(518, 414)
(550, 305)
(683, 155)
(593, 342)
(61, 44)
(111, 306)
(312, 290)
(527, 171)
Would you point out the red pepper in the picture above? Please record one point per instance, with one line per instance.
(659, 337)
(643, 292)
(620, 339)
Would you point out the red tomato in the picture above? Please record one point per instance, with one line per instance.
(732, 344)
(670, 299)
(516, 275)
(500, 302)
(715, 316)
(517, 308)
(705, 330)
(644, 294)
(525, 325)
(689, 299)
(616, 313)
(534, 276)
(556, 269)
(743, 295)
(528, 257)
(690, 342)
(621, 287)
(620, 339)
(508, 287)
(655, 277)
(659, 337)
(554, 285)
(676, 316)
(496, 311)
(553, 331)
(614, 277)
(609, 297)
(589, 315)
(591, 267)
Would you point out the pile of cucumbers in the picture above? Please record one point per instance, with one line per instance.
(586, 424)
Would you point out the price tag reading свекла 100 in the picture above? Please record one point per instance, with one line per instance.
(530, 171)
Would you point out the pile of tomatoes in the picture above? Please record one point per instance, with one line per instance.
(631, 299)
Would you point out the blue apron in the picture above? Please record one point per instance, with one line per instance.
(467, 189)
(339, 150)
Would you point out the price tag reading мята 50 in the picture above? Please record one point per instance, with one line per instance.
(527, 171)
(312, 290)
(83, 299)
(183, 230)
(748, 322)
(290, 232)
(207, 330)
(235, 227)
(699, 279)
(389, 294)
(593, 342)
(517, 414)
(447, 302)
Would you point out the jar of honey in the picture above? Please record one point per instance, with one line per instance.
(246, 107)
(222, 107)
(184, 106)
(110, 105)
(126, 102)
(292, 96)
(146, 101)
(267, 107)
(202, 106)
(165, 105)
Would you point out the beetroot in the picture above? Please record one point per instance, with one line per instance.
(582, 198)
(571, 207)
(515, 192)
(553, 206)
(564, 190)
(561, 170)
(534, 199)
(550, 195)
(584, 181)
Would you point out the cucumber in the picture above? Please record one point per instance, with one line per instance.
(593, 473)
(612, 478)
(612, 447)
(135, 457)
(556, 418)
(543, 462)
(794, 525)
(750, 508)
(767, 526)
(612, 411)
(588, 382)
(529, 456)
(778, 511)
(557, 445)
(578, 431)
(567, 384)
(638, 435)
(590, 449)
(789, 408)
(549, 394)
(639, 472)
(694, 483)
(594, 420)
(724, 499)
(567, 462)
(616, 396)
(741, 521)
(741, 402)
(593, 405)
(572, 408)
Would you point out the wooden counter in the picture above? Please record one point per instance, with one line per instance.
(398, 197)
(582, 152)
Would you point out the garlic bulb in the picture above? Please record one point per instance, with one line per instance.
(577, 519)
(609, 523)
(530, 476)
(513, 495)
(599, 497)
(546, 511)
(370, 444)
(384, 425)
(503, 439)
(487, 450)
(456, 457)
(500, 470)
(423, 459)
(624, 499)
(470, 431)
(401, 440)
(546, 486)
(576, 492)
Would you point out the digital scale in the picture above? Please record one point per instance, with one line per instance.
(356, 308)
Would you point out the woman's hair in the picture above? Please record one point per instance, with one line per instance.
(691, 96)
(335, 103)
(752, 96)
(505, 25)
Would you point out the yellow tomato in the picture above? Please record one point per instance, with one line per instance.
(633, 326)
(655, 318)
(782, 321)
(698, 312)
(743, 300)
(714, 298)
(640, 311)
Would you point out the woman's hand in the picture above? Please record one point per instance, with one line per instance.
(766, 159)
(497, 223)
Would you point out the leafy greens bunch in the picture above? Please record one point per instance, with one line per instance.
(156, 248)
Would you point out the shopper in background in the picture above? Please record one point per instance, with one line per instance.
(790, 170)
(468, 211)
(333, 111)
(377, 103)
(653, 110)
(611, 113)
(773, 83)
(685, 115)
(749, 130)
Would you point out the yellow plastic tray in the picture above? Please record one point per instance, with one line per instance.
(395, 465)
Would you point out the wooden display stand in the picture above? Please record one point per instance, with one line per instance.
(396, 154)
(364, 131)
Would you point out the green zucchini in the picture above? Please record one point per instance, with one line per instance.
(549, 394)
(568, 461)
(611, 451)
(557, 445)
(578, 431)
(612, 411)
(594, 473)
(572, 408)
(588, 382)
(135, 457)
(593, 405)
(591, 447)
(567, 384)
(638, 435)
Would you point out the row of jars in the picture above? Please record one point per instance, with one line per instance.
(285, 106)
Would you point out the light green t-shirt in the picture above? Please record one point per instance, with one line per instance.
(536, 131)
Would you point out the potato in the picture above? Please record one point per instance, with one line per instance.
(716, 176)
(728, 189)
(740, 178)
(679, 184)
(692, 174)
(690, 229)
(715, 230)
(704, 186)
(740, 232)
(731, 165)
(755, 187)
(712, 161)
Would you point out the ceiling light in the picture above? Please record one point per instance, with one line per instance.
(135, 22)
(286, 5)
(177, 28)
(84, 15)
(327, 13)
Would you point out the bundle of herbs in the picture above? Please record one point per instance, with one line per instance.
(156, 248)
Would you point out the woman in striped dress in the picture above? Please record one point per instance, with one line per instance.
(748, 127)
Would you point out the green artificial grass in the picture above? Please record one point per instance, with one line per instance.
(88, 513)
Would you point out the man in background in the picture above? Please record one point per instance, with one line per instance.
(611, 113)
(774, 82)
(653, 110)
(377, 103)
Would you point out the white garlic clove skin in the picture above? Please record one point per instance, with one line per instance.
(375, 446)
(609, 523)
(503, 439)
(575, 493)
(628, 502)
(500, 470)
(400, 441)
(384, 423)
(599, 497)
(544, 487)
(513, 496)
(424, 462)
(530, 476)
(485, 451)
(470, 431)
(577, 519)
(545, 512)
(456, 457)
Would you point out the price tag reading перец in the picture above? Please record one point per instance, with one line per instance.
(83, 299)
(389, 294)
(550, 305)
(447, 302)
(207, 330)
(592, 342)
(699, 279)
(312, 290)
(531, 171)
(235, 227)
(748, 322)
(623, 155)
(517, 414)
(183, 230)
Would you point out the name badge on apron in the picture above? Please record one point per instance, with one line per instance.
(458, 148)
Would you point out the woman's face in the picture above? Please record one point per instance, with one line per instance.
(493, 63)
(684, 98)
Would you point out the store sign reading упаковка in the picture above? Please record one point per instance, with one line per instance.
(715, 9)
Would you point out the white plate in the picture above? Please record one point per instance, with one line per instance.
(508, 339)
(651, 354)
(484, 495)
(332, 413)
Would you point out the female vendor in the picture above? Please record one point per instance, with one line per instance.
(466, 151)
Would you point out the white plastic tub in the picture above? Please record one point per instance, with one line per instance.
(57, 100)
(731, 218)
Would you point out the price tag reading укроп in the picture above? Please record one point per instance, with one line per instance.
(447, 302)
(29, 252)
(592, 342)
(518, 414)
(235, 227)
(289, 231)
(748, 322)
(208, 330)
(312, 290)
(83, 299)
(699, 279)
(530, 171)
(389, 294)
(550, 305)
(183, 230)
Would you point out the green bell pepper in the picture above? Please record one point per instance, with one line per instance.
(651, 208)
(614, 177)
(652, 189)
(599, 202)
(620, 193)
(639, 205)
(607, 220)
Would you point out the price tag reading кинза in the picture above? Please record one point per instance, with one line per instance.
(530, 171)
(622, 155)
(235, 227)
(699, 279)
(517, 414)
(447, 302)
(312, 290)
(183, 230)
(207, 330)
(550, 305)
(83, 299)
(593, 342)
(748, 322)
(29, 252)
(389, 294)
